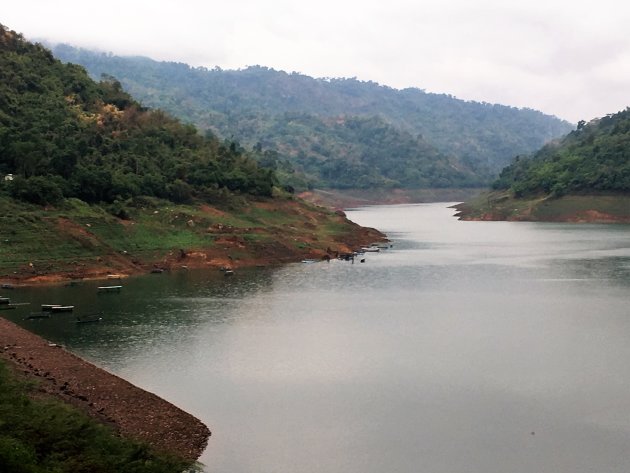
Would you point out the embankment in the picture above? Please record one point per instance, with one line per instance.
(77, 241)
(132, 411)
(600, 208)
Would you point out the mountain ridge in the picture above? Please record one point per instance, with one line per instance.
(481, 138)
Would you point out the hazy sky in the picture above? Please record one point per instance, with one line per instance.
(570, 58)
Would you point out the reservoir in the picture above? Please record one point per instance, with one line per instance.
(466, 347)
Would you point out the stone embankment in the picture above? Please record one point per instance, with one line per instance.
(132, 411)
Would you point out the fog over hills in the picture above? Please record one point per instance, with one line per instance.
(335, 132)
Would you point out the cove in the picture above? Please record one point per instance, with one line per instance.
(466, 347)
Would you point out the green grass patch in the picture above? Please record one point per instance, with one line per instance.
(38, 436)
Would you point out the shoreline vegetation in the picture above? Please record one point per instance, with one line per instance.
(134, 430)
(94, 185)
(583, 177)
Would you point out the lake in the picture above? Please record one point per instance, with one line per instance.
(467, 347)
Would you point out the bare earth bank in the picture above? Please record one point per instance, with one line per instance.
(132, 411)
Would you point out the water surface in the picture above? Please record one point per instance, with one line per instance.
(467, 347)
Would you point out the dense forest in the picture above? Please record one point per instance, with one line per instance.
(355, 152)
(299, 118)
(593, 158)
(64, 135)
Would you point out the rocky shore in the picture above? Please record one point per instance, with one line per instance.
(131, 411)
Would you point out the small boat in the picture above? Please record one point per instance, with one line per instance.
(109, 288)
(5, 300)
(114, 276)
(62, 308)
(49, 307)
(228, 272)
(7, 286)
(309, 261)
(371, 249)
(37, 315)
(157, 270)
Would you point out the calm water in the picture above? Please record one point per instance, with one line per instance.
(466, 348)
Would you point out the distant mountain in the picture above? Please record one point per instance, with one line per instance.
(313, 124)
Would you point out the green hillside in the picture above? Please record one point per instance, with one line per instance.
(64, 135)
(92, 182)
(258, 105)
(583, 177)
(594, 157)
(355, 152)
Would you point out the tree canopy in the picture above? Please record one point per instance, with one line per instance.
(288, 113)
(64, 135)
(593, 157)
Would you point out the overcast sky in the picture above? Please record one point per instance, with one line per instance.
(569, 58)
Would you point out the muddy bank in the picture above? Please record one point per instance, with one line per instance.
(132, 411)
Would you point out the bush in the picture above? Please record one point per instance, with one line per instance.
(36, 190)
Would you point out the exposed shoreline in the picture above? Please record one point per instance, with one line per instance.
(583, 208)
(266, 254)
(132, 411)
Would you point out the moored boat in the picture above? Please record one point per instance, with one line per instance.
(49, 307)
(62, 308)
(371, 249)
(109, 288)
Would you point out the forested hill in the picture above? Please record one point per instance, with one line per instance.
(259, 105)
(593, 158)
(584, 177)
(64, 135)
(91, 183)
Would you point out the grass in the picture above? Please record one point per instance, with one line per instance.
(47, 436)
(74, 234)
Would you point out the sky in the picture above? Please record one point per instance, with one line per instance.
(565, 58)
